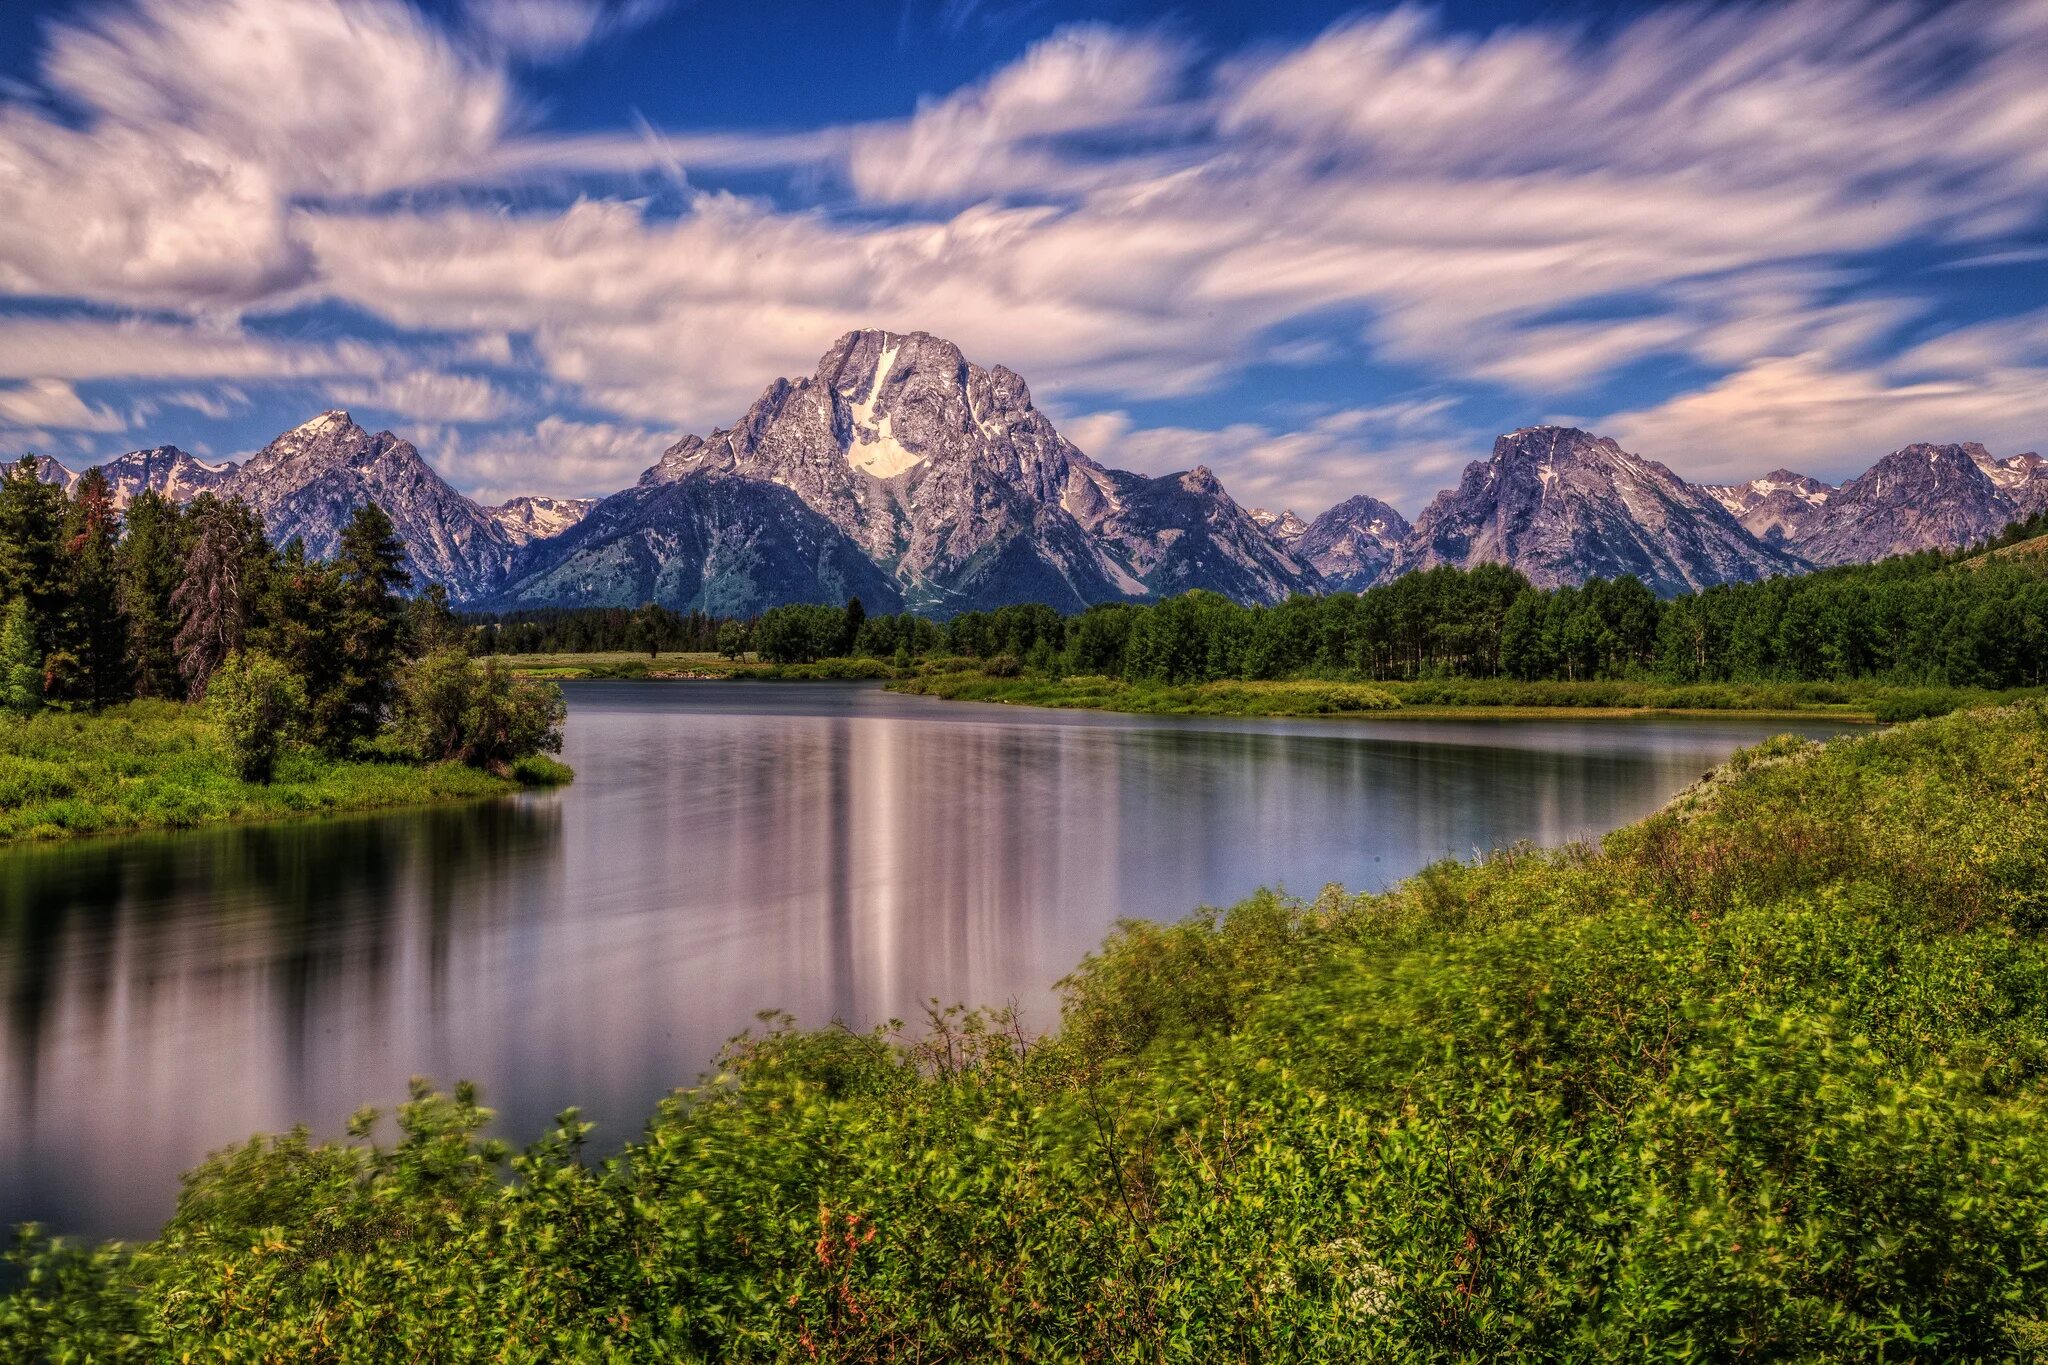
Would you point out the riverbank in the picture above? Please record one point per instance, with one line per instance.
(161, 765)
(962, 680)
(690, 667)
(1765, 1071)
(1861, 702)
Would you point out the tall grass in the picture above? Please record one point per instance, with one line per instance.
(1763, 1077)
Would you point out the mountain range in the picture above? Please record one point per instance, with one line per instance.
(905, 474)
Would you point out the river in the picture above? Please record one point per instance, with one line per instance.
(831, 850)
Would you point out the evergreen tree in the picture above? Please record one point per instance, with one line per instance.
(151, 563)
(21, 667)
(370, 574)
(223, 573)
(31, 549)
(95, 629)
(849, 630)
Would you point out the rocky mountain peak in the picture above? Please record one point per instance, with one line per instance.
(1562, 504)
(944, 473)
(1284, 527)
(1921, 497)
(1354, 543)
(309, 481)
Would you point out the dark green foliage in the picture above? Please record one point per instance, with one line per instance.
(369, 575)
(594, 630)
(431, 625)
(453, 707)
(21, 668)
(259, 705)
(225, 570)
(31, 550)
(151, 564)
(733, 639)
(1761, 1078)
(798, 635)
(94, 627)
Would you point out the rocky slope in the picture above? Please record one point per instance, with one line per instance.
(308, 482)
(1563, 505)
(1354, 543)
(1780, 508)
(534, 516)
(1284, 527)
(1170, 534)
(711, 542)
(949, 478)
(1925, 497)
(163, 469)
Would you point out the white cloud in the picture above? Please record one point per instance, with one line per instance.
(547, 30)
(46, 403)
(1401, 452)
(1832, 419)
(430, 394)
(555, 456)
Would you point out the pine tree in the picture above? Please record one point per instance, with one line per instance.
(21, 667)
(221, 577)
(31, 548)
(151, 561)
(95, 630)
(370, 572)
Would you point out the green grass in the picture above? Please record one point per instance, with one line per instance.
(619, 664)
(162, 765)
(1860, 701)
(1292, 698)
(1761, 1078)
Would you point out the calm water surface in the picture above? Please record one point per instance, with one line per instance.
(836, 851)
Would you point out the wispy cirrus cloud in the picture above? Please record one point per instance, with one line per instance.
(1116, 213)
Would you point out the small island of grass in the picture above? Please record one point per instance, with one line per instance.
(167, 765)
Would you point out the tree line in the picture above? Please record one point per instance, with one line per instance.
(100, 605)
(1945, 619)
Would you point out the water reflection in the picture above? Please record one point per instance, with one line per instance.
(835, 851)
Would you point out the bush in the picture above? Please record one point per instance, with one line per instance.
(453, 707)
(259, 706)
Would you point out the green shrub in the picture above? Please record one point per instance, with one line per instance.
(472, 711)
(259, 705)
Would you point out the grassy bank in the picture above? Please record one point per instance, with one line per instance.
(1763, 1077)
(161, 765)
(1847, 701)
(687, 666)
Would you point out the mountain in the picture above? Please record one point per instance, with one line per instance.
(950, 479)
(712, 542)
(1924, 497)
(163, 469)
(1354, 543)
(536, 517)
(1778, 509)
(308, 482)
(1177, 532)
(1563, 505)
(1284, 527)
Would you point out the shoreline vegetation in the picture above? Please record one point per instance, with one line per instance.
(164, 665)
(965, 679)
(1906, 638)
(160, 765)
(1762, 1076)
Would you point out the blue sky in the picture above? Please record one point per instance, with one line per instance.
(1322, 249)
